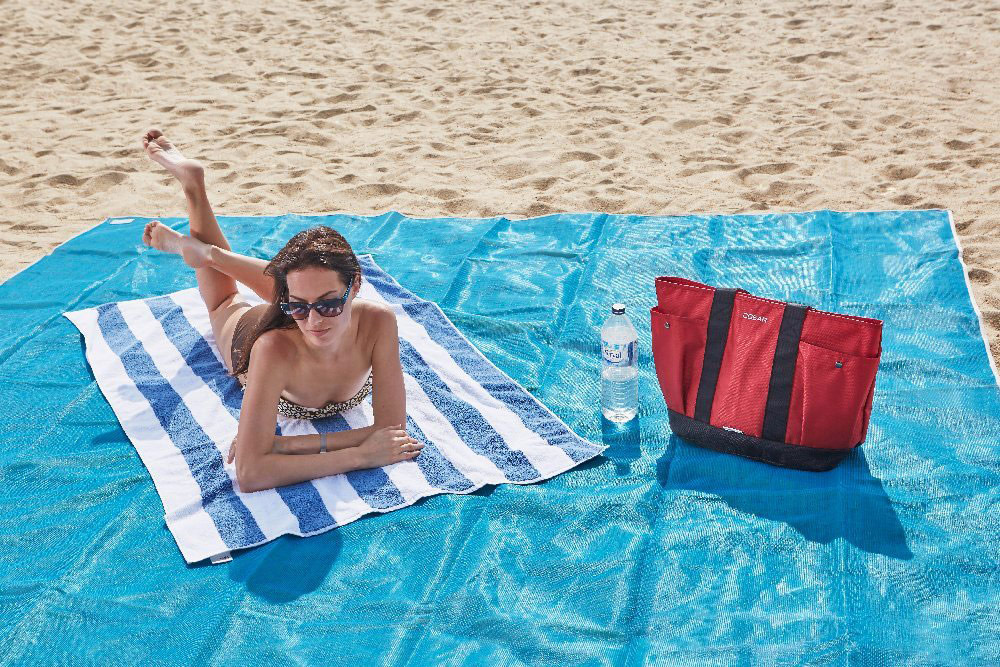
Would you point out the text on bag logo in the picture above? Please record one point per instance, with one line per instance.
(751, 316)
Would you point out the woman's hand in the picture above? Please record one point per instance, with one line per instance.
(232, 452)
(386, 446)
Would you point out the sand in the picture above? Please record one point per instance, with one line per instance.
(520, 109)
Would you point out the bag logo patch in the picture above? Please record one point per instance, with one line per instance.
(751, 316)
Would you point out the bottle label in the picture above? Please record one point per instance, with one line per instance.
(619, 354)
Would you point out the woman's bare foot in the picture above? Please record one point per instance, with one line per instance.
(195, 253)
(189, 172)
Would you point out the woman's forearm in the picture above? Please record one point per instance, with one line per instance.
(278, 470)
(310, 443)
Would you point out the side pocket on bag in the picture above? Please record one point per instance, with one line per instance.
(679, 352)
(830, 397)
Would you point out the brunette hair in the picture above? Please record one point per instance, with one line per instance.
(320, 247)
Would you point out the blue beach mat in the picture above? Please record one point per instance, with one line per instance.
(654, 552)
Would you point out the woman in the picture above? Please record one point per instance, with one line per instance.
(316, 349)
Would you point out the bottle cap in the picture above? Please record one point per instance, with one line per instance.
(618, 308)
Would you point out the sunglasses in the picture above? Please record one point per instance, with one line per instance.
(299, 310)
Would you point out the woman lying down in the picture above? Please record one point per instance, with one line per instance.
(315, 350)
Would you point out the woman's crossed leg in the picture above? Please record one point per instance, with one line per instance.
(216, 266)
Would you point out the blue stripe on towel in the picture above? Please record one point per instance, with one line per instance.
(437, 469)
(467, 421)
(303, 500)
(477, 367)
(234, 521)
(196, 352)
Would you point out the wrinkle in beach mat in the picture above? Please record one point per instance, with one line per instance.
(538, 298)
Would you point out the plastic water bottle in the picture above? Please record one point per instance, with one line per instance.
(620, 374)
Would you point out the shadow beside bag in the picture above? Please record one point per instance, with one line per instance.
(778, 382)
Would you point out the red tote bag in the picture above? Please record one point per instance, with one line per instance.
(778, 382)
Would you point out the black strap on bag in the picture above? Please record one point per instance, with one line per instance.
(779, 392)
(715, 345)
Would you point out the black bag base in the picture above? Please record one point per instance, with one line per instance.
(780, 454)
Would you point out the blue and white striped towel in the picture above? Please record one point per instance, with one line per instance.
(157, 363)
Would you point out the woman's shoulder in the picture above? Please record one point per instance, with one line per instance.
(275, 345)
(375, 310)
(376, 316)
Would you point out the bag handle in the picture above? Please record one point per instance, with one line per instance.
(715, 345)
(779, 391)
(779, 394)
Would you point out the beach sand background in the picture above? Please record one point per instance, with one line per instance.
(502, 108)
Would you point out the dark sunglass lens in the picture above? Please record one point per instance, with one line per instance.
(330, 310)
(295, 310)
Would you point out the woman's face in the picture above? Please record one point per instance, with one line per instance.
(313, 284)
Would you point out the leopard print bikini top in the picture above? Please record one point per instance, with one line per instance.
(296, 411)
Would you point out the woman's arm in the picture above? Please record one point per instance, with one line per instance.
(257, 466)
(388, 391)
(310, 443)
(384, 447)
